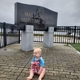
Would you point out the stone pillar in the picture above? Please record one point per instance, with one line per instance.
(27, 38)
(48, 37)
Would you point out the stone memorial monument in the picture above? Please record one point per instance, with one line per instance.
(29, 18)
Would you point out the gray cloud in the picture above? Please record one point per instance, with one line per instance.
(68, 10)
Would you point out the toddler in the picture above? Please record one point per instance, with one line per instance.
(37, 65)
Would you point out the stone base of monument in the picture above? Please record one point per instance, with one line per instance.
(48, 37)
(27, 38)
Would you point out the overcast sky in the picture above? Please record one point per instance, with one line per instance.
(68, 10)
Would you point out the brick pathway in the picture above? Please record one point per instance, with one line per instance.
(61, 62)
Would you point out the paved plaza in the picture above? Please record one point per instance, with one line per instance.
(62, 62)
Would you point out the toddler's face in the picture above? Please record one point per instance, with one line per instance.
(36, 54)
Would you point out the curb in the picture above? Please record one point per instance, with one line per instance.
(74, 49)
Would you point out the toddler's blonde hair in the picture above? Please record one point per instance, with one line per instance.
(39, 50)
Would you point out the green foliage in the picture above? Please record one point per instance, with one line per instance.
(38, 34)
(14, 35)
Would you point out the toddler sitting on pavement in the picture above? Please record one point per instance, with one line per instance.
(37, 65)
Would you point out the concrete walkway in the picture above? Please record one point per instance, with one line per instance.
(61, 62)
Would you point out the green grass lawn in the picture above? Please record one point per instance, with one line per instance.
(76, 46)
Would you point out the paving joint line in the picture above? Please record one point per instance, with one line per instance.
(24, 66)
